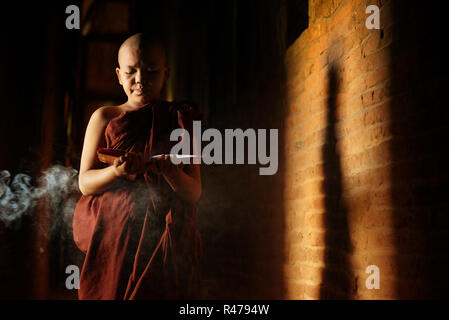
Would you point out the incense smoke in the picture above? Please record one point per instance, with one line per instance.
(57, 190)
(58, 186)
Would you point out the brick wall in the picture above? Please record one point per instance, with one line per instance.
(355, 135)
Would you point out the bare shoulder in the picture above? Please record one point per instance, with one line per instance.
(104, 114)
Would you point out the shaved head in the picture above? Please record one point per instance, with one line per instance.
(143, 42)
(143, 69)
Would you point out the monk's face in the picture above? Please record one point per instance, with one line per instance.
(142, 73)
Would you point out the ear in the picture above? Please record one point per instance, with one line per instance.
(117, 71)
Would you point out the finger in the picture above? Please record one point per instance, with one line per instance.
(124, 158)
(117, 161)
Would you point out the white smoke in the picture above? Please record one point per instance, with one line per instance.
(18, 197)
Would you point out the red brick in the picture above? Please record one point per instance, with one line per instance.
(337, 36)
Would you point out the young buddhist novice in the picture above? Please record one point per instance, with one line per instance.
(136, 219)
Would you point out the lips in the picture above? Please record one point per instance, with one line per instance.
(138, 91)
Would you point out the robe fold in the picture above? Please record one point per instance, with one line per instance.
(140, 238)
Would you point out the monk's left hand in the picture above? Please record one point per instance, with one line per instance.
(163, 165)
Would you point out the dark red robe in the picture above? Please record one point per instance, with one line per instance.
(141, 240)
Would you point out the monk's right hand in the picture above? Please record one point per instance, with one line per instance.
(129, 164)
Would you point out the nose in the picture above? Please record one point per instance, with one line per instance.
(141, 77)
(138, 76)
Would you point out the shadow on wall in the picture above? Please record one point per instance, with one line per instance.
(420, 127)
(336, 274)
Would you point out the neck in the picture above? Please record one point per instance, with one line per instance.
(133, 105)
